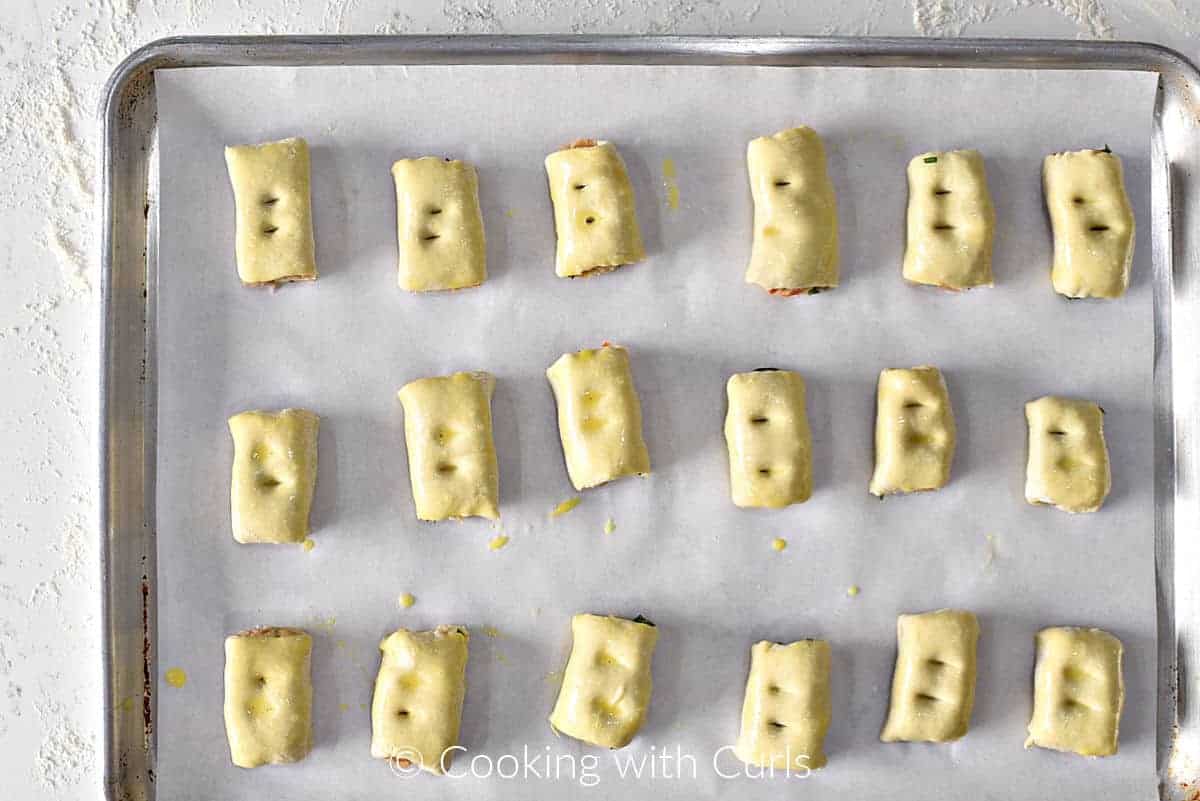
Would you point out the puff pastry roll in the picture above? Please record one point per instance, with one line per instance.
(795, 246)
(599, 416)
(417, 707)
(1078, 691)
(274, 211)
(268, 696)
(933, 688)
(787, 709)
(594, 211)
(914, 432)
(274, 474)
(1092, 223)
(606, 685)
(770, 445)
(951, 222)
(1068, 459)
(451, 455)
(439, 225)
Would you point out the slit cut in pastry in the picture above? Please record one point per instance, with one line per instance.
(271, 196)
(439, 225)
(595, 215)
(416, 711)
(770, 445)
(787, 708)
(451, 453)
(914, 432)
(795, 244)
(1092, 222)
(607, 683)
(933, 688)
(1078, 691)
(599, 416)
(951, 222)
(1068, 458)
(274, 474)
(268, 696)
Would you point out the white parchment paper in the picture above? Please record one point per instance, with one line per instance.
(681, 554)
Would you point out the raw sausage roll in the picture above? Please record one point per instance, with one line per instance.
(933, 688)
(594, 211)
(606, 685)
(599, 416)
(274, 474)
(951, 222)
(439, 225)
(268, 696)
(787, 708)
(451, 455)
(417, 707)
(1068, 458)
(271, 196)
(914, 432)
(1078, 691)
(795, 245)
(1092, 222)
(770, 446)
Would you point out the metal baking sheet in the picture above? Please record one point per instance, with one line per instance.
(704, 571)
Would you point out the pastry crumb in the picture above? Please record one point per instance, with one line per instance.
(308, 544)
(852, 590)
(406, 600)
(176, 677)
(497, 542)
(779, 543)
(565, 506)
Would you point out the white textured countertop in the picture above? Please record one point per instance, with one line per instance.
(56, 56)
